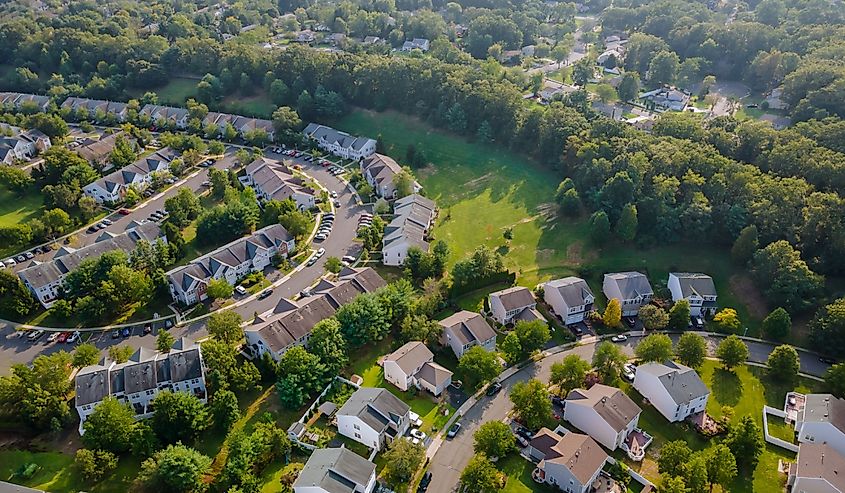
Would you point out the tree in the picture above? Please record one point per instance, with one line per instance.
(85, 354)
(745, 245)
(732, 351)
(679, 315)
(110, 426)
(363, 320)
(608, 361)
(827, 329)
(302, 374)
(777, 324)
(785, 277)
(179, 416)
(403, 458)
(672, 484)
(333, 265)
(653, 317)
(569, 374)
(183, 207)
(663, 68)
(691, 349)
(219, 289)
(95, 464)
(327, 343)
(479, 365)
(612, 316)
(481, 476)
(224, 409)
(39, 392)
(721, 466)
(404, 183)
(696, 473)
(297, 223)
(532, 335)
(120, 354)
(655, 347)
(606, 93)
(123, 154)
(176, 469)
(834, 377)
(745, 440)
(626, 226)
(421, 328)
(164, 341)
(511, 348)
(629, 86)
(225, 325)
(531, 403)
(599, 227)
(783, 363)
(494, 439)
(673, 458)
(15, 299)
(727, 321)
(583, 71)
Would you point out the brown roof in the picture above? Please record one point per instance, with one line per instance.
(616, 408)
(821, 461)
(515, 297)
(580, 454)
(468, 326)
(410, 356)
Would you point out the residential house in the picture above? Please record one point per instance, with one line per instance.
(336, 470)
(412, 365)
(189, 283)
(22, 146)
(174, 116)
(374, 417)
(697, 289)
(112, 187)
(45, 279)
(98, 152)
(775, 99)
(371, 40)
(822, 421)
(570, 298)
(290, 322)
(336, 38)
(571, 462)
(340, 143)
(416, 44)
(674, 389)
(605, 413)
(413, 217)
(272, 180)
(242, 124)
(96, 108)
(667, 98)
(511, 305)
(631, 289)
(816, 470)
(380, 172)
(466, 329)
(139, 380)
(17, 100)
(306, 36)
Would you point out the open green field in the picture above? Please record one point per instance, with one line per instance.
(483, 190)
(16, 209)
(175, 92)
(58, 474)
(257, 105)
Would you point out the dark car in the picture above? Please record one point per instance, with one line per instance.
(825, 359)
(494, 388)
(525, 433)
(557, 401)
(126, 332)
(264, 294)
(115, 334)
(148, 329)
(424, 482)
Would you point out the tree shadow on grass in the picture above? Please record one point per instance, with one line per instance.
(726, 387)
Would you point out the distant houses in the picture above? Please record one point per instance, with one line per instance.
(413, 218)
(96, 108)
(698, 289)
(112, 187)
(569, 298)
(513, 304)
(666, 99)
(374, 417)
(22, 101)
(336, 470)
(272, 180)
(177, 117)
(340, 143)
(21, 144)
(412, 365)
(675, 390)
(98, 152)
(416, 44)
(243, 125)
(466, 329)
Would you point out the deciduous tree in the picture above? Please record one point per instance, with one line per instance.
(783, 363)
(691, 349)
(479, 365)
(110, 426)
(176, 469)
(403, 459)
(494, 439)
(732, 351)
(655, 347)
(179, 417)
(569, 374)
(612, 314)
(745, 440)
(481, 476)
(777, 324)
(608, 361)
(653, 317)
(225, 325)
(679, 315)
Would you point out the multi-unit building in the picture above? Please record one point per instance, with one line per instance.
(98, 152)
(466, 329)
(697, 289)
(569, 298)
(674, 389)
(336, 470)
(511, 305)
(17, 100)
(22, 144)
(45, 279)
(112, 187)
(242, 124)
(96, 108)
(380, 171)
(189, 283)
(272, 180)
(290, 323)
(139, 380)
(374, 417)
(571, 462)
(412, 365)
(816, 470)
(340, 143)
(631, 289)
(168, 114)
(413, 217)
(822, 421)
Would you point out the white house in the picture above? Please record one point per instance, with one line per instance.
(674, 389)
(242, 124)
(168, 114)
(45, 279)
(667, 98)
(513, 304)
(822, 421)
(188, 284)
(139, 380)
(374, 417)
(413, 216)
(21, 144)
(340, 143)
(412, 365)
(416, 44)
(112, 187)
(697, 289)
(816, 470)
(466, 329)
(632, 289)
(570, 298)
(272, 180)
(605, 413)
(380, 172)
(290, 322)
(336, 470)
(96, 108)
(571, 462)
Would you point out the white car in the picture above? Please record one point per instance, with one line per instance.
(320, 252)
(334, 194)
(619, 338)
(629, 371)
(320, 237)
(73, 338)
(416, 433)
(240, 290)
(350, 259)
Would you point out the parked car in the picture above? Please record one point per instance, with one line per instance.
(305, 293)
(107, 222)
(416, 433)
(311, 261)
(115, 334)
(494, 389)
(34, 335)
(320, 252)
(524, 433)
(73, 337)
(124, 212)
(333, 194)
(62, 337)
(52, 337)
(126, 332)
(29, 255)
(9, 262)
(265, 294)
(629, 371)
(20, 258)
(240, 290)
(319, 237)
(148, 329)
(619, 338)
(348, 258)
(453, 430)
(424, 482)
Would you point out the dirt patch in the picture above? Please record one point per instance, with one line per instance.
(546, 254)
(745, 289)
(576, 255)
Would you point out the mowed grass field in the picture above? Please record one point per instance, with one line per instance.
(175, 92)
(482, 190)
(16, 209)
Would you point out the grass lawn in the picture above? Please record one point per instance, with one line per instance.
(175, 92)
(58, 473)
(257, 105)
(16, 209)
(518, 472)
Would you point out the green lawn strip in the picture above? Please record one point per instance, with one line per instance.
(474, 300)
(58, 474)
(18, 208)
(518, 471)
(216, 443)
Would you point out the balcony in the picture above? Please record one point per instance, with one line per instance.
(635, 444)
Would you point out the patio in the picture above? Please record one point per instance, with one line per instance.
(636, 443)
(605, 484)
(793, 405)
(705, 424)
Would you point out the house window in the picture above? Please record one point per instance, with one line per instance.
(358, 436)
(354, 426)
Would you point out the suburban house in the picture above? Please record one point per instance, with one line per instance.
(466, 329)
(272, 180)
(112, 187)
(306, 36)
(822, 421)
(340, 143)
(674, 389)
(570, 298)
(374, 417)
(22, 145)
(571, 462)
(139, 380)
(189, 283)
(290, 323)
(816, 470)
(609, 416)
(631, 289)
(336, 470)
(242, 124)
(380, 172)
(169, 114)
(96, 108)
(98, 152)
(416, 44)
(512, 305)
(667, 98)
(412, 365)
(413, 216)
(18, 100)
(45, 279)
(697, 289)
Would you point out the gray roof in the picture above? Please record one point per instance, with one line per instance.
(468, 326)
(695, 283)
(335, 470)
(376, 407)
(515, 297)
(681, 382)
(613, 405)
(92, 384)
(16, 488)
(818, 460)
(410, 356)
(434, 374)
(573, 290)
(825, 408)
(626, 285)
(329, 135)
(414, 199)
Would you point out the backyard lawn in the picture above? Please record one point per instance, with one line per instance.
(16, 209)
(518, 472)
(58, 473)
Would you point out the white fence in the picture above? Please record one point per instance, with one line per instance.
(774, 440)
